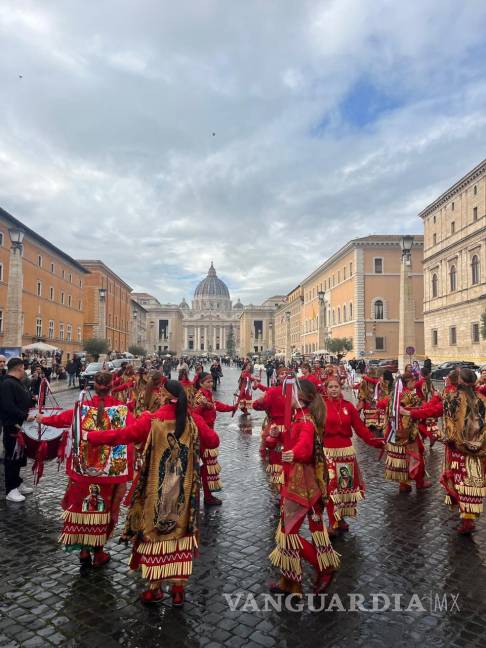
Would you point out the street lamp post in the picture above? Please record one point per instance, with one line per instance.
(287, 346)
(13, 321)
(102, 313)
(321, 294)
(406, 327)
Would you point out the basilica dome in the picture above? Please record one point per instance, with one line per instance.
(212, 293)
(212, 286)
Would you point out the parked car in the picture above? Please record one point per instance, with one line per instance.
(388, 365)
(116, 364)
(87, 376)
(442, 371)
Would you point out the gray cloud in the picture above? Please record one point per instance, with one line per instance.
(107, 146)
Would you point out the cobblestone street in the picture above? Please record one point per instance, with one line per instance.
(398, 545)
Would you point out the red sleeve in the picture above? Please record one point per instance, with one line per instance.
(209, 438)
(261, 404)
(373, 381)
(382, 404)
(358, 426)
(62, 420)
(304, 447)
(222, 407)
(119, 388)
(261, 387)
(434, 409)
(133, 433)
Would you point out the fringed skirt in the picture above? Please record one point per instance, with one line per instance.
(210, 460)
(374, 418)
(166, 559)
(464, 480)
(90, 514)
(274, 468)
(404, 462)
(346, 486)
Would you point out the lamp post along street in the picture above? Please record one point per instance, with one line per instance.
(287, 345)
(406, 327)
(321, 294)
(102, 314)
(13, 323)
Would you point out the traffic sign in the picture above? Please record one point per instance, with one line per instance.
(410, 351)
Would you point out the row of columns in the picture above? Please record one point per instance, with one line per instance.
(208, 334)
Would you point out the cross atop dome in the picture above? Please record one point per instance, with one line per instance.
(212, 271)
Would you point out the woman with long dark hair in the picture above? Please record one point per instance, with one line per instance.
(188, 385)
(162, 521)
(205, 405)
(92, 504)
(303, 495)
(153, 395)
(346, 486)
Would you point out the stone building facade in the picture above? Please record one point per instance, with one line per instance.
(455, 270)
(41, 291)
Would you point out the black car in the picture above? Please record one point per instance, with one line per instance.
(443, 370)
(87, 376)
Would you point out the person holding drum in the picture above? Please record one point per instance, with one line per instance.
(15, 402)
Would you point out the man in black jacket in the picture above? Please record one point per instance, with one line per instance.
(15, 402)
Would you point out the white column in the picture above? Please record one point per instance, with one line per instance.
(223, 337)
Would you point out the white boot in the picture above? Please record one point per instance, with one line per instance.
(15, 496)
(24, 489)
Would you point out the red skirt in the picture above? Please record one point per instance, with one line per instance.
(464, 480)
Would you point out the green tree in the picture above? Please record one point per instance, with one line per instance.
(230, 342)
(483, 325)
(137, 350)
(339, 346)
(96, 346)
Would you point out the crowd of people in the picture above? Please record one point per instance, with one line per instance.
(149, 440)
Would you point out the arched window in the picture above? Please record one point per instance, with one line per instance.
(435, 285)
(453, 278)
(344, 313)
(339, 315)
(333, 316)
(378, 309)
(350, 311)
(475, 270)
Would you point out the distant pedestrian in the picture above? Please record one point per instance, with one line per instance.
(71, 369)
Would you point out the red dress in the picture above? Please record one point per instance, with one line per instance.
(301, 498)
(206, 407)
(273, 403)
(90, 509)
(245, 396)
(346, 486)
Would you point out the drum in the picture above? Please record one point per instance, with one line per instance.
(34, 435)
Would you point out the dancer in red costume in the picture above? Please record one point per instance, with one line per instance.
(188, 385)
(303, 495)
(404, 449)
(162, 521)
(92, 505)
(244, 389)
(346, 486)
(207, 407)
(273, 403)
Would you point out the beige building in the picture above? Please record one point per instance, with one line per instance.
(354, 294)
(138, 325)
(257, 327)
(455, 270)
(164, 324)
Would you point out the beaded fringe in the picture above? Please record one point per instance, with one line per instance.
(85, 517)
(167, 546)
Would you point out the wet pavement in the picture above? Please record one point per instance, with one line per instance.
(401, 555)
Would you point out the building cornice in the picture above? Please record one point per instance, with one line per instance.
(456, 188)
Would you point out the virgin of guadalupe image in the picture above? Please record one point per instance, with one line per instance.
(345, 479)
(172, 470)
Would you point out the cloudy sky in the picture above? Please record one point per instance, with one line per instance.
(262, 134)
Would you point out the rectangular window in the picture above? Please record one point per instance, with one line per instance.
(61, 331)
(69, 332)
(452, 335)
(80, 305)
(62, 297)
(434, 239)
(51, 293)
(79, 334)
(39, 261)
(52, 268)
(435, 337)
(380, 344)
(452, 206)
(39, 289)
(475, 190)
(70, 299)
(339, 276)
(350, 269)
(51, 329)
(453, 227)
(70, 278)
(63, 274)
(1, 271)
(475, 214)
(1, 321)
(38, 327)
(378, 265)
(344, 273)
(1, 239)
(475, 333)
